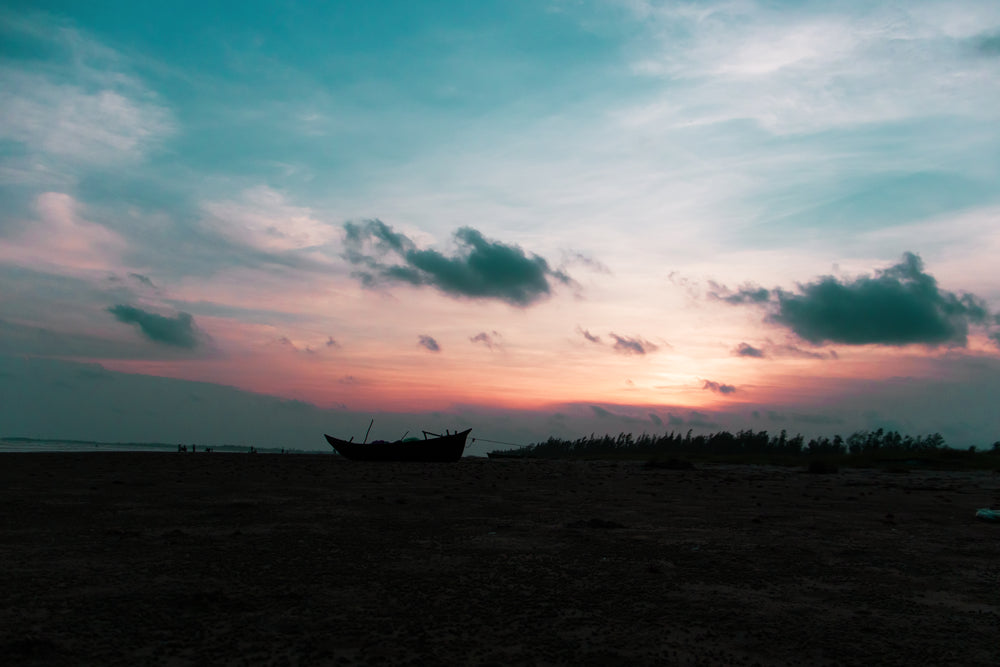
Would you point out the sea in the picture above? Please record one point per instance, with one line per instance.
(40, 446)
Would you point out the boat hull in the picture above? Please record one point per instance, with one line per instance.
(442, 449)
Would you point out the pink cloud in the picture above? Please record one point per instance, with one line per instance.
(61, 241)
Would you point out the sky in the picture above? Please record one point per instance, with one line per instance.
(254, 222)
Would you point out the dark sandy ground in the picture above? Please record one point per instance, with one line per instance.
(185, 559)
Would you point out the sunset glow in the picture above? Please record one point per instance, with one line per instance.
(537, 218)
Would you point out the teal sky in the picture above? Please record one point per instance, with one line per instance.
(574, 199)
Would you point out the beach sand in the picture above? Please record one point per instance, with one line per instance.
(188, 559)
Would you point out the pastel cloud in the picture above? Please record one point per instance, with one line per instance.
(99, 116)
(482, 269)
(67, 122)
(263, 218)
(61, 240)
(791, 69)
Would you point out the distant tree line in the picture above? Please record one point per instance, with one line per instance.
(742, 443)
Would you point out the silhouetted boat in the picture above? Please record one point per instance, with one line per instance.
(440, 448)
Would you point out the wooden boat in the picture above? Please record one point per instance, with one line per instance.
(440, 448)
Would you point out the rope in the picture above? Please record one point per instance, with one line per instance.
(501, 442)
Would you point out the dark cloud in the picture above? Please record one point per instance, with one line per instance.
(900, 305)
(604, 413)
(483, 269)
(816, 419)
(719, 388)
(748, 293)
(330, 342)
(289, 344)
(178, 331)
(802, 418)
(788, 351)
(747, 350)
(429, 343)
(674, 420)
(629, 345)
(700, 419)
(491, 340)
(655, 419)
(988, 44)
(797, 352)
(142, 279)
(622, 344)
(587, 261)
(95, 372)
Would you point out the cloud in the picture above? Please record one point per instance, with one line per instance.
(788, 351)
(82, 107)
(629, 345)
(178, 331)
(482, 269)
(900, 305)
(748, 293)
(747, 350)
(330, 342)
(719, 388)
(263, 218)
(586, 261)
(491, 340)
(604, 413)
(289, 344)
(142, 279)
(622, 344)
(792, 69)
(429, 343)
(69, 123)
(796, 352)
(62, 241)
(18, 339)
(988, 44)
(655, 419)
(700, 419)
